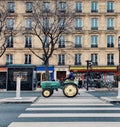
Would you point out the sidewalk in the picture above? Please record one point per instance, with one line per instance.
(32, 96)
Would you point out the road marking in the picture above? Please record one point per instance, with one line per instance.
(29, 115)
(65, 124)
(68, 108)
(73, 104)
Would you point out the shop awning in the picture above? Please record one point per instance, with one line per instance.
(3, 69)
(94, 68)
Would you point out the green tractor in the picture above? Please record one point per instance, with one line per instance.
(69, 87)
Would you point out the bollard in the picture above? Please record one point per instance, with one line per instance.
(18, 87)
(118, 90)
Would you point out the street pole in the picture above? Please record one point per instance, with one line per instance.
(89, 62)
(119, 69)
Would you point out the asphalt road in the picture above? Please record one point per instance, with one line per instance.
(85, 109)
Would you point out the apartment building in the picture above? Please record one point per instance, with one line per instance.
(95, 37)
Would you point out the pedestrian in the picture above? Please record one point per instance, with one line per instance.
(80, 82)
(69, 76)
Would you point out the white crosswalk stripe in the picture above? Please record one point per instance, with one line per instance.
(69, 112)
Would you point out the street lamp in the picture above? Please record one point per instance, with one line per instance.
(119, 69)
(89, 65)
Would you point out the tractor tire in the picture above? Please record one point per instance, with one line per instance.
(47, 93)
(70, 90)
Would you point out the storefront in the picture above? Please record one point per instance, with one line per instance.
(107, 72)
(60, 72)
(3, 77)
(40, 73)
(27, 76)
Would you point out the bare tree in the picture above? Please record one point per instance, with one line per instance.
(48, 26)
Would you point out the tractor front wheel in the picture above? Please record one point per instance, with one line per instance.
(70, 90)
(47, 93)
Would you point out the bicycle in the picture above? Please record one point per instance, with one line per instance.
(107, 84)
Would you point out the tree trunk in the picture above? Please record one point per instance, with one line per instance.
(47, 75)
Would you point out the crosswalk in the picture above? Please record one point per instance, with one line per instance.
(84, 110)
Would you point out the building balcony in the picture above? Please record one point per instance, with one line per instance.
(94, 28)
(94, 11)
(78, 11)
(28, 11)
(110, 28)
(94, 46)
(77, 63)
(61, 46)
(110, 63)
(110, 11)
(78, 28)
(78, 46)
(61, 63)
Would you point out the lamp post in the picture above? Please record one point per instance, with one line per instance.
(119, 69)
(89, 64)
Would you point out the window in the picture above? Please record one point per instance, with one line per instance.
(28, 24)
(110, 24)
(46, 6)
(78, 24)
(61, 23)
(94, 6)
(10, 24)
(94, 24)
(94, 41)
(78, 41)
(110, 41)
(28, 41)
(27, 59)
(61, 42)
(10, 7)
(77, 59)
(46, 23)
(78, 7)
(94, 59)
(62, 6)
(9, 59)
(61, 59)
(110, 6)
(9, 40)
(46, 42)
(29, 6)
(110, 59)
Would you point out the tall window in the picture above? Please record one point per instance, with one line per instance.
(28, 24)
(11, 7)
(46, 41)
(27, 59)
(61, 23)
(10, 24)
(61, 59)
(78, 23)
(94, 6)
(77, 59)
(61, 42)
(9, 40)
(110, 23)
(9, 59)
(110, 6)
(62, 6)
(94, 41)
(110, 59)
(78, 41)
(94, 59)
(78, 7)
(28, 41)
(46, 23)
(46, 6)
(94, 23)
(29, 7)
(110, 41)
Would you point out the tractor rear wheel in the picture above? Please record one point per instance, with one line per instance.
(46, 93)
(70, 90)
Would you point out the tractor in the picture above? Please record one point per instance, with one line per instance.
(69, 88)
